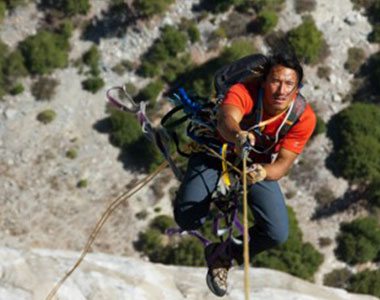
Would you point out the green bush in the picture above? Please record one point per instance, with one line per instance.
(91, 58)
(72, 153)
(148, 8)
(16, 89)
(324, 196)
(366, 282)
(46, 116)
(162, 222)
(359, 241)
(294, 257)
(355, 59)
(307, 41)
(174, 67)
(200, 79)
(267, 21)
(44, 88)
(324, 72)
(125, 129)
(68, 7)
(259, 5)
(83, 183)
(3, 10)
(219, 6)
(188, 252)
(151, 92)
(373, 193)
(15, 66)
(171, 42)
(355, 132)
(337, 278)
(44, 52)
(93, 84)
(374, 36)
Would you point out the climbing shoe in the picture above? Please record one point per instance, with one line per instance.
(219, 263)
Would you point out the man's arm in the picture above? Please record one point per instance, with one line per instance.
(281, 165)
(228, 119)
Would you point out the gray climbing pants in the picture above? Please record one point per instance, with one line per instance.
(265, 200)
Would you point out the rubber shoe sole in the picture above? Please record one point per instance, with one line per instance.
(214, 288)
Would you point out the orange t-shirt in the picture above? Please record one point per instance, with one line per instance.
(244, 97)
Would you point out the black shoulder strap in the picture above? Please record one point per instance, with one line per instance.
(297, 110)
(238, 71)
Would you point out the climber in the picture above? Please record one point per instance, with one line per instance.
(271, 115)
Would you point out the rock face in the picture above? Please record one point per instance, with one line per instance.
(32, 274)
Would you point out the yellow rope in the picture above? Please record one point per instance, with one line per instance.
(115, 203)
(245, 234)
(226, 176)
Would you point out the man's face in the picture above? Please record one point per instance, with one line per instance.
(280, 88)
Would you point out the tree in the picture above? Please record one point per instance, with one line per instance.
(359, 241)
(148, 8)
(366, 282)
(44, 52)
(68, 7)
(355, 133)
(307, 41)
(267, 21)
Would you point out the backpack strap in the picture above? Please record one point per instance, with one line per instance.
(297, 110)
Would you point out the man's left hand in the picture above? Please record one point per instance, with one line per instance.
(256, 173)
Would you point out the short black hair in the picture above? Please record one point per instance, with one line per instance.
(286, 59)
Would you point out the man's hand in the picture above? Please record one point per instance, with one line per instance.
(241, 139)
(256, 173)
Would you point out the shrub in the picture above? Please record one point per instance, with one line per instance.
(83, 183)
(219, 6)
(68, 7)
(366, 282)
(17, 89)
(302, 6)
(177, 66)
(307, 41)
(267, 21)
(171, 42)
(188, 252)
(373, 193)
(122, 67)
(355, 59)
(374, 36)
(275, 5)
(44, 88)
(142, 215)
(355, 133)
(46, 116)
(324, 196)
(44, 52)
(150, 243)
(200, 79)
(93, 84)
(72, 153)
(3, 10)
(294, 257)
(193, 33)
(148, 8)
(324, 72)
(162, 222)
(337, 278)
(324, 241)
(15, 66)
(359, 241)
(91, 59)
(125, 129)
(236, 25)
(151, 92)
